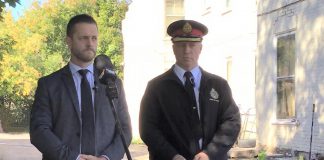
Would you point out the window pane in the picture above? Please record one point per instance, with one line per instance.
(286, 99)
(169, 20)
(286, 56)
(228, 3)
(174, 10)
(286, 77)
(174, 7)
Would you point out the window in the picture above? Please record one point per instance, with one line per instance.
(286, 77)
(174, 10)
(207, 4)
(228, 3)
(227, 7)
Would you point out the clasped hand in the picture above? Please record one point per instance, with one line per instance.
(90, 157)
(199, 156)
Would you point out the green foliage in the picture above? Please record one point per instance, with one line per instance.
(11, 3)
(262, 155)
(110, 14)
(6, 43)
(34, 45)
(15, 118)
(300, 157)
(137, 141)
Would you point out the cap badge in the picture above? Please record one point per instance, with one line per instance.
(214, 95)
(187, 28)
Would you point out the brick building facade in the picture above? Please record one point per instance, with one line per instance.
(290, 75)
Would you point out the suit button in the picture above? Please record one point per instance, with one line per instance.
(78, 134)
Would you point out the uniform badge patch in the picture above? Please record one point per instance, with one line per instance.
(214, 96)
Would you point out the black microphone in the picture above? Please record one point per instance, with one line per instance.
(107, 75)
(105, 68)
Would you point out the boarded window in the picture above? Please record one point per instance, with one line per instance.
(286, 77)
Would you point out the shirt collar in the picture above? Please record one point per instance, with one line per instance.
(75, 68)
(180, 72)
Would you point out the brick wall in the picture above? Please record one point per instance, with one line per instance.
(305, 18)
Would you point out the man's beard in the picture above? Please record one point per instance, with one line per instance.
(84, 57)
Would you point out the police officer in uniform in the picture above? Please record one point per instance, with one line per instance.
(187, 113)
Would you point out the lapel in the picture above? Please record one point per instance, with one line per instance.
(69, 84)
(170, 75)
(202, 90)
(202, 101)
(209, 102)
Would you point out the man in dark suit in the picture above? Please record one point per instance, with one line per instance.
(187, 113)
(71, 116)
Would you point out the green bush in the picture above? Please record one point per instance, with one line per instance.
(262, 155)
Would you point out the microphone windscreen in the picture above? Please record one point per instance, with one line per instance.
(102, 62)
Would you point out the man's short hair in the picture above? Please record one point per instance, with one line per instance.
(81, 18)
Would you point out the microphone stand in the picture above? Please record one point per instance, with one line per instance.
(311, 137)
(112, 94)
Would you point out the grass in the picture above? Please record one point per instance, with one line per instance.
(262, 155)
(137, 140)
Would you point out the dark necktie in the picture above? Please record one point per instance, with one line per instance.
(189, 86)
(88, 137)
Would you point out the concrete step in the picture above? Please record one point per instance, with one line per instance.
(238, 152)
(246, 143)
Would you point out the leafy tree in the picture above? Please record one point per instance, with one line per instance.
(110, 14)
(34, 45)
(11, 3)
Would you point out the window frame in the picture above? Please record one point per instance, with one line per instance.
(287, 119)
(170, 17)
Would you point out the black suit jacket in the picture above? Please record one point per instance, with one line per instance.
(164, 126)
(55, 125)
